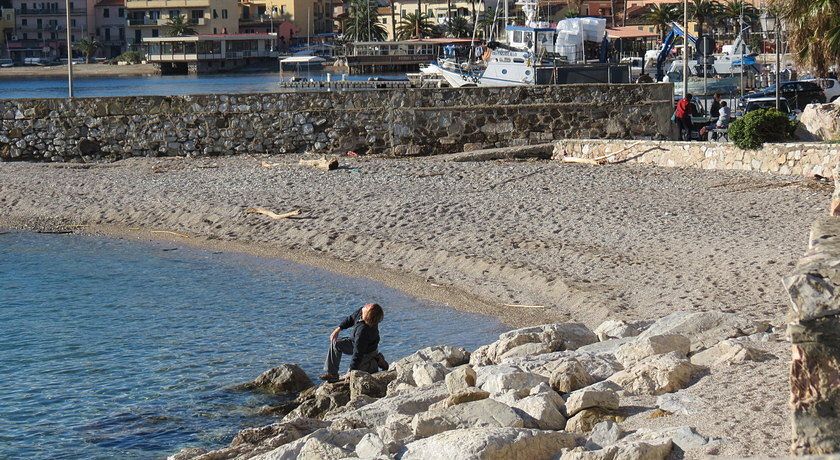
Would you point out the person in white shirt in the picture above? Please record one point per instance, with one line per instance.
(721, 123)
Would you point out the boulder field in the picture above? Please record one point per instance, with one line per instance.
(555, 391)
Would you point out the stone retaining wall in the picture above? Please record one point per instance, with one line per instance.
(398, 122)
(806, 159)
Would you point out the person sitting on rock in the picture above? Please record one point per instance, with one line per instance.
(362, 344)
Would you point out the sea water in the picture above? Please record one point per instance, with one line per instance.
(156, 85)
(119, 349)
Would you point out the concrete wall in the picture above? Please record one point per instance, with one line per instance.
(805, 159)
(398, 122)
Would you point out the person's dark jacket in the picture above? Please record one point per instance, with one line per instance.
(365, 337)
(714, 111)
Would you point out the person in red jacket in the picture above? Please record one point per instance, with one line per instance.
(685, 109)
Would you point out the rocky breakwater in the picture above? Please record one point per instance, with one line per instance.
(551, 391)
(396, 122)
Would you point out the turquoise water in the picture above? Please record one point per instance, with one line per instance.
(117, 349)
(56, 87)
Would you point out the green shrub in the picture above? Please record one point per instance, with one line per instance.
(133, 57)
(755, 128)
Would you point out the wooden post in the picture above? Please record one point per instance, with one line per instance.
(814, 329)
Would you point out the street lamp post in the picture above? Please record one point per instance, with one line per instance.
(685, 48)
(770, 21)
(69, 52)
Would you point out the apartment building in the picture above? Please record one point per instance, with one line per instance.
(110, 24)
(437, 9)
(310, 17)
(40, 28)
(7, 28)
(149, 18)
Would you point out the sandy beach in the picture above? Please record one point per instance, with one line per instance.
(531, 242)
(79, 70)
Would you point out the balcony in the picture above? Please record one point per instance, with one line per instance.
(162, 22)
(165, 4)
(50, 12)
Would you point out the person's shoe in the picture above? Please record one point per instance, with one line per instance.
(329, 377)
(380, 361)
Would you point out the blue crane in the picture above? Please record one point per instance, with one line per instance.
(668, 45)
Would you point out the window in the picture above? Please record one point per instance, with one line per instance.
(155, 33)
(214, 31)
(52, 35)
(23, 22)
(106, 13)
(73, 23)
(107, 33)
(97, 31)
(121, 12)
(71, 5)
(40, 36)
(174, 14)
(122, 34)
(197, 14)
(224, 14)
(215, 16)
(40, 24)
(517, 36)
(24, 36)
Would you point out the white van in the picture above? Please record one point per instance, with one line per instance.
(830, 86)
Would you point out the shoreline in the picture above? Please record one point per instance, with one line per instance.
(412, 285)
(429, 229)
(79, 70)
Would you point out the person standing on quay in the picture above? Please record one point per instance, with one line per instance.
(683, 113)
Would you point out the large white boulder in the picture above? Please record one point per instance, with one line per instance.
(598, 366)
(684, 437)
(283, 379)
(682, 403)
(613, 329)
(569, 376)
(604, 434)
(445, 355)
(503, 378)
(656, 375)
(396, 432)
(587, 398)
(490, 444)
(371, 446)
(542, 409)
(345, 440)
(483, 413)
(429, 373)
(410, 403)
(460, 378)
(705, 329)
(643, 347)
(621, 451)
(729, 352)
(315, 449)
(534, 340)
(821, 121)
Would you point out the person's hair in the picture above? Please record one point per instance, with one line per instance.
(376, 314)
(717, 95)
(723, 103)
(688, 96)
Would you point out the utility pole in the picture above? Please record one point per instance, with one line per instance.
(417, 24)
(69, 53)
(778, 59)
(685, 48)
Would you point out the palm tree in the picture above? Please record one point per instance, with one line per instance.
(813, 31)
(362, 24)
(731, 14)
(413, 23)
(88, 47)
(459, 27)
(486, 22)
(178, 27)
(703, 11)
(662, 15)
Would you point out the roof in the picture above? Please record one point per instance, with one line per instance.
(209, 37)
(383, 10)
(421, 41)
(110, 3)
(631, 32)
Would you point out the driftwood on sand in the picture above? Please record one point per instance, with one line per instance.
(273, 215)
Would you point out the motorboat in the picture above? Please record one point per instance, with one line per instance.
(294, 63)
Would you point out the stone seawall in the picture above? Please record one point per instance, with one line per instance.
(798, 159)
(401, 122)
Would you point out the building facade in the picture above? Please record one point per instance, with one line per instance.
(310, 17)
(7, 29)
(436, 9)
(110, 25)
(40, 28)
(150, 18)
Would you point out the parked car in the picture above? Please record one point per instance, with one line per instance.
(770, 103)
(830, 86)
(798, 94)
(7, 63)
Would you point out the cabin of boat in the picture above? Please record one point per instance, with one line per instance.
(399, 56)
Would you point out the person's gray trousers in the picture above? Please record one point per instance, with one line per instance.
(344, 346)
